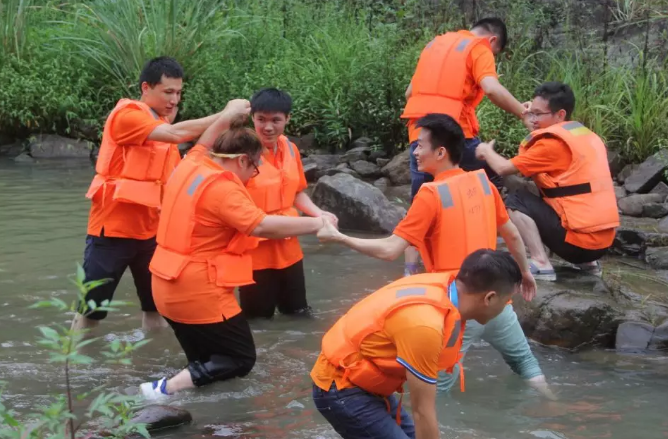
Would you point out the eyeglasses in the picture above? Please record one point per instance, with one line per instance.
(256, 170)
(536, 115)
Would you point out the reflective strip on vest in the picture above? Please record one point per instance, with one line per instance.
(292, 151)
(576, 128)
(445, 196)
(411, 292)
(452, 341)
(195, 184)
(462, 45)
(485, 184)
(153, 112)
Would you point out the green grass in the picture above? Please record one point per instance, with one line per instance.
(346, 64)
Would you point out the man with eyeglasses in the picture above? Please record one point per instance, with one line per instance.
(576, 213)
(278, 189)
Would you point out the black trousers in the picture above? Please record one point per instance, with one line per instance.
(284, 289)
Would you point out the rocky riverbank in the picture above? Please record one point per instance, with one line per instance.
(369, 192)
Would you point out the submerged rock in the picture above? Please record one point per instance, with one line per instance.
(52, 146)
(659, 340)
(358, 205)
(158, 417)
(633, 336)
(569, 318)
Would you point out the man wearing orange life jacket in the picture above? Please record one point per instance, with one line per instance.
(576, 214)
(278, 268)
(455, 215)
(137, 155)
(208, 225)
(405, 333)
(455, 71)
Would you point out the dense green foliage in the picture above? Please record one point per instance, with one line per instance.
(345, 62)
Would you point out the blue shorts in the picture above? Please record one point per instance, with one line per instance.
(108, 258)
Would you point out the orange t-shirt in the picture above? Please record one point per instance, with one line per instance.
(129, 126)
(224, 208)
(413, 335)
(280, 253)
(553, 157)
(479, 65)
(418, 225)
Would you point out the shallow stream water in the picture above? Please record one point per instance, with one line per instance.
(43, 216)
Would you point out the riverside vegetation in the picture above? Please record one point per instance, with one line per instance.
(345, 62)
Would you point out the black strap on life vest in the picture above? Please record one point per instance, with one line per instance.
(567, 191)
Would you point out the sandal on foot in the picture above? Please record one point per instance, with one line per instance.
(547, 274)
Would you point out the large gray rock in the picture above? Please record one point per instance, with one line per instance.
(661, 188)
(648, 174)
(659, 340)
(53, 146)
(400, 194)
(358, 153)
(366, 169)
(358, 205)
(398, 170)
(568, 318)
(655, 210)
(382, 162)
(322, 162)
(657, 257)
(663, 225)
(12, 150)
(633, 336)
(633, 204)
(625, 172)
(340, 170)
(158, 417)
(383, 183)
(620, 192)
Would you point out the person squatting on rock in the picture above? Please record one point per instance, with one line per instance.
(576, 214)
(457, 214)
(278, 268)
(406, 332)
(137, 155)
(455, 71)
(209, 224)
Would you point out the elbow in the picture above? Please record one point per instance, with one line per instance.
(259, 231)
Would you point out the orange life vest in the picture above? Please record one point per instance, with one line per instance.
(466, 221)
(229, 266)
(583, 196)
(144, 169)
(384, 376)
(274, 189)
(439, 79)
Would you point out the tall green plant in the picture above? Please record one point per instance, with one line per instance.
(58, 420)
(118, 36)
(14, 21)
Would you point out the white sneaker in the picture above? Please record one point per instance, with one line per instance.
(155, 390)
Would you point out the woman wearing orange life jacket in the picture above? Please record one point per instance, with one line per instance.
(208, 224)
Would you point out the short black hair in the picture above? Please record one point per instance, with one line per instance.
(155, 68)
(446, 132)
(271, 100)
(487, 270)
(558, 95)
(496, 26)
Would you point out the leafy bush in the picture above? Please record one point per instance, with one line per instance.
(345, 62)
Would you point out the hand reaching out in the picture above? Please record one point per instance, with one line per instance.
(528, 287)
(328, 232)
(331, 218)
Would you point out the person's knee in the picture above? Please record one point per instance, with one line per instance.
(220, 368)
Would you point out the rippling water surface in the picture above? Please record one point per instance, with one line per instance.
(43, 216)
